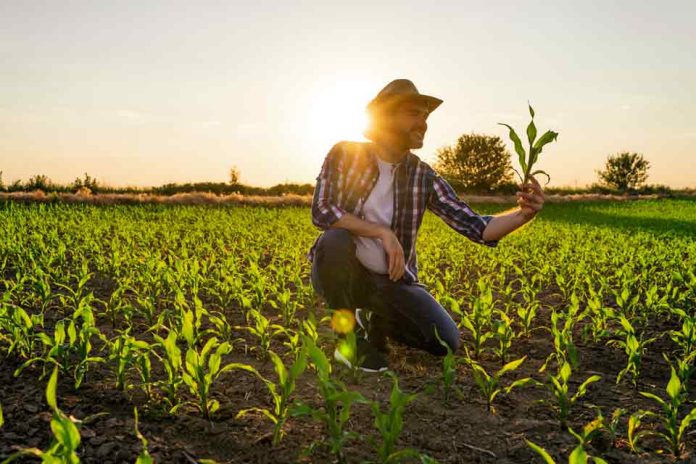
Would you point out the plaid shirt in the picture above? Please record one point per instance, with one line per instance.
(350, 172)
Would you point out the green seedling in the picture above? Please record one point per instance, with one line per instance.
(674, 428)
(489, 385)
(280, 392)
(335, 411)
(144, 456)
(559, 387)
(449, 369)
(171, 361)
(66, 436)
(634, 346)
(504, 333)
(390, 424)
(478, 321)
(200, 371)
(528, 160)
(633, 434)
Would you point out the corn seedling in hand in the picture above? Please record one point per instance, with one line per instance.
(528, 160)
(489, 385)
(674, 428)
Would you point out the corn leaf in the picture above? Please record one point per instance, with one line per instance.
(541, 452)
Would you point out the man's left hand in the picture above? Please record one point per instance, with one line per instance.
(530, 198)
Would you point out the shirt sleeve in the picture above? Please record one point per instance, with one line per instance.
(444, 202)
(325, 212)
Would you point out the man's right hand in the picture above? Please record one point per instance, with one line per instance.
(395, 254)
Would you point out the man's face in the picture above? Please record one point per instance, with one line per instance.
(408, 124)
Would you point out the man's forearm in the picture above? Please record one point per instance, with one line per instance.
(359, 226)
(502, 225)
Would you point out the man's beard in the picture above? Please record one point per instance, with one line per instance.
(403, 139)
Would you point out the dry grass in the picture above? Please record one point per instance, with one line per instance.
(202, 198)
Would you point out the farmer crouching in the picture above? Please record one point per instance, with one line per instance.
(369, 201)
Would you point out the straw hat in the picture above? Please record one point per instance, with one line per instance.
(400, 90)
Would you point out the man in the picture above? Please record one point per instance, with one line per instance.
(369, 201)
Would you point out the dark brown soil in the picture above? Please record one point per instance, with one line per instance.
(460, 430)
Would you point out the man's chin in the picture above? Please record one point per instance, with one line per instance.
(416, 143)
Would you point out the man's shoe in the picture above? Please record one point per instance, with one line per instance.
(370, 358)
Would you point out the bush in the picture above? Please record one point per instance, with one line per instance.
(475, 163)
(625, 171)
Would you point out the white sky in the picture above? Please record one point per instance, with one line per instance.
(148, 92)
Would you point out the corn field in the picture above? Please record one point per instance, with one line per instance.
(172, 333)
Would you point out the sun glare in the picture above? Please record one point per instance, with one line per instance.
(337, 112)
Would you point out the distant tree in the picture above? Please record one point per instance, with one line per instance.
(2, 184)
(625, 171)
(475, 162)
(234, 175)
(88, 182)
(38, 182)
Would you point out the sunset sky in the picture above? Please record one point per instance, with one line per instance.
(150, 92)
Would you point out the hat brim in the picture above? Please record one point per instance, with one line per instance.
(430, 102)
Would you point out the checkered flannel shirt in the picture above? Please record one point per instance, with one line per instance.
(349, 173)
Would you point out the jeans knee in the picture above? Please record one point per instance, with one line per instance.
(335, 244)
(449, 334)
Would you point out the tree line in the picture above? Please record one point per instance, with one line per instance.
(479, 163)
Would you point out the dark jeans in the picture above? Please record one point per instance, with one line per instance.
(403, 312)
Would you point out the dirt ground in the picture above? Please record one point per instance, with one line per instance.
(460, 430)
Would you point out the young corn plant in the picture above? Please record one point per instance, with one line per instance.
(579, 454)
(144, 456)
(449, 369)
(528, 160)
(336, 408)
(685, 337)
(390, 424)
(674, 428)
(504, 333)
(559, 387)
(478, 321)
(490, 385)
(124, 353)
(66, 436)
(599, 316)
(633, 434)
(280, 392)
(634, 346)
(171, 361)
(262, 328)
(201, 369)
(564, 348)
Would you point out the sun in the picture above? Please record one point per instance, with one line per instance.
(336, 111)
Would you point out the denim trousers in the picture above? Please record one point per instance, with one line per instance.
(404, 312)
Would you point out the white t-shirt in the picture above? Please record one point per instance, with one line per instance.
(378, 208)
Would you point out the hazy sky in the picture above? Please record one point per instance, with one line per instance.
(148, 92)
